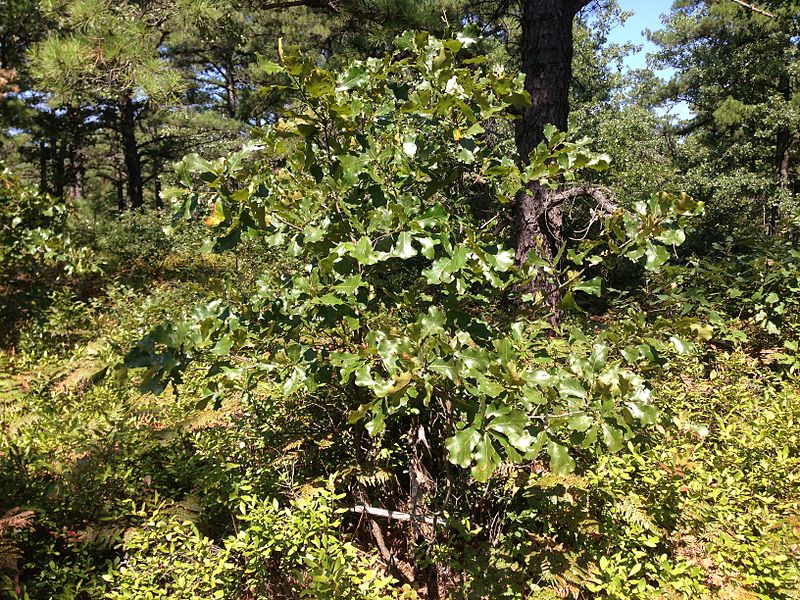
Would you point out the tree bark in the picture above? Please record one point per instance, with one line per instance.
(422, 486)
(78, 187)
(59, 166)
(546, 49)
(43, 152)
(130, 151)
(782, 143)
(119, 190)
(156, 139)
(230, 87)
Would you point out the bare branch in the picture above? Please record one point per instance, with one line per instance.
(329, 4)
(391, 514)
(602, 196)
(756, 9)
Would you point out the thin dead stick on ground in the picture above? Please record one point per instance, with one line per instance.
(392, 514)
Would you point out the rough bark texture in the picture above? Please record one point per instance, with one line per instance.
(422, 486)
(130, 151)
(230, 88)
(546, 48)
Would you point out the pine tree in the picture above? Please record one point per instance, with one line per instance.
(107, 54)
(736, 67)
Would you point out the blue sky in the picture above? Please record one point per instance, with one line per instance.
(647, 15)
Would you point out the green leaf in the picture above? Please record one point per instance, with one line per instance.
(571, 387)
(356, 76)
(441, 270)
(592, 286)
(646, 413)
(196, 163)
(223, 346)
(329, 300)
(681, 345)
(502, 260)
(362, 251)
(580, 423)
(428, 247)
(561, 463)
(490, 388)
(704, 332)
(512, 425)
(433, 217)
(519, 100)
(375, 425)
(460, 446)
(269, 67)
(444, 367)
(486, 459)
(631, 354)
(318, 83)
(612, 437)
(672, 237)
(656, 256)
(599, 357)
(350, 285)
(471, 35)
(465, 155)
(403, 247)
(432, 322)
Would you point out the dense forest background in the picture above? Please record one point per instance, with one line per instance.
(398, 299)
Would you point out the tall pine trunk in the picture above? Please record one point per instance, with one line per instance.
(782, 143)
(156, 139)
(546, 48)
(59, 166)
(230, 88)
(43, 154)
(130, 151)
(119, 189)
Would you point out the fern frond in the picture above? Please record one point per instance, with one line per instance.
(16, 518)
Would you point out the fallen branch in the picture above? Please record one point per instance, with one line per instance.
(391, 514)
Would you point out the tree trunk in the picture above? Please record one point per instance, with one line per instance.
(120, 191)
(782, 143)
(43, 152)
(78, 189)
(230, 88)
(159, 203)
(3, 53)
(59, 167)
(422, 486)
(130, 151)
(546, 48)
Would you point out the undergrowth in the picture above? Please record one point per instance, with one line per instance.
(134, 495)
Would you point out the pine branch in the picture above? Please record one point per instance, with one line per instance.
(309, 3)
(756, 9)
